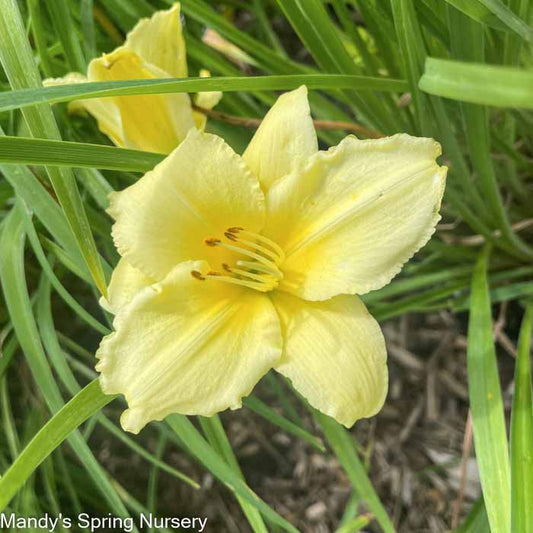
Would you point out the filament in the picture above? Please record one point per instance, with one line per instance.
(260, 269)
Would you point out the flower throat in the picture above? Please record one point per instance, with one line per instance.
(258, 270)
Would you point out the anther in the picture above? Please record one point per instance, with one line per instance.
(229, 235)
(197, 275)
(235, 229)
(211, 241)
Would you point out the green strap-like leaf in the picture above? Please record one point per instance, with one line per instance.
(342, 444)
(16, 295)
(199, 447)
(476, 520)
(479, 12)
(263, 410)
(486, 404)
(478, 83)
(61, 19)
(63, 93)
(506, 15)
(89, 401)
(522, 433)
(21, 150)
(216, 435)
(19, 65)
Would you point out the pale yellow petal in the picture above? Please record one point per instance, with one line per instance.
(69, 79)
(355, 214)
(159, 40)
(126, 282)
(104, 110)
(285, 138)
(199, 191)
(108, 116)
(206, 100)
(334, 354)
(200, 120)
(156, 123)
(188, 346)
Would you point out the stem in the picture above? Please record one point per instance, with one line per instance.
(475, 240)
(254, 123)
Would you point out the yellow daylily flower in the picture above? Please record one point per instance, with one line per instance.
(235, 265)
(155, 48)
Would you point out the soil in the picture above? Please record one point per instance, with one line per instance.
(414, 448)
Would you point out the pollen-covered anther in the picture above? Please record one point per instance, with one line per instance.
(197, 275)
(231, 236)
(212, 241)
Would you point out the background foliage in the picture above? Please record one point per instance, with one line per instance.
(459, 71)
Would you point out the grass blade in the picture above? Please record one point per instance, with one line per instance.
(263, 410)
(17, 59)
(355, 525)
(488, 421)
(21, 150)
(478, 83)
(216, 435)
(341, 443)
(37, 24)
(89, 401)
(49, 273)
(63, 25)
(476, 521)
(87, 28)
(469, 45)
(321, 37)
(522, 433)
(199, 448)
(63, 93)
(506, 15)
(477, 11)
(18, 302)
(413, 54)
(267, 58)
(47, 210)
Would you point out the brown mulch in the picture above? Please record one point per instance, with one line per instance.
(413, 448)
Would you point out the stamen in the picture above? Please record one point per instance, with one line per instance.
(260, 272)
(197, 275)
(243, 251)
(266, 240)
(261, 268)
(246, 274)
(258, 286)
(274, 256)
(230, 236)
